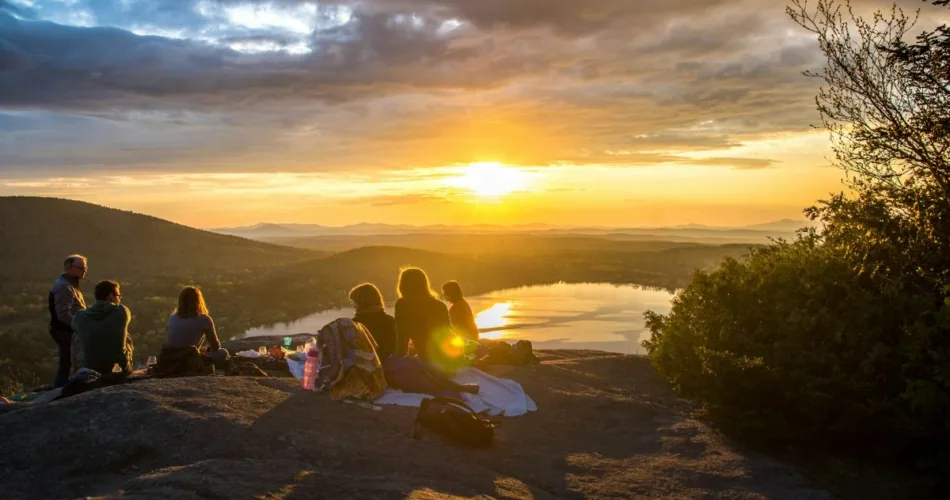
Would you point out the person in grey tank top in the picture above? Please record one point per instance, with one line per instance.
(191, 325)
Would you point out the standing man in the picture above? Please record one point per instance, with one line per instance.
(65, 300)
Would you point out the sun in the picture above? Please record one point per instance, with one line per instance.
(491, 179)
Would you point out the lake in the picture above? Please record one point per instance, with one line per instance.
(562, 316)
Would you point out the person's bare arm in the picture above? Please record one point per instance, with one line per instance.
(214, 343)
(128, 347)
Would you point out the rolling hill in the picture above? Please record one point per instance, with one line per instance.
(481, 244)
(381, 264)
(267, 230)
(37, 233)
(250, 283)
(783, 225)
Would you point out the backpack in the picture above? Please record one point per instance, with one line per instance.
(522, 354)
(456, 422)
(180, 362)
(349, 365)
(498, 354)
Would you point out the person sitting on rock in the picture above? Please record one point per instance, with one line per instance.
(371, 313)
(422, 318)
(190, 325)
(102, 330)
(463, 320)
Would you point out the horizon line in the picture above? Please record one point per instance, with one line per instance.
(688, 225)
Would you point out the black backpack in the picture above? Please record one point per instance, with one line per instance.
(456, 422)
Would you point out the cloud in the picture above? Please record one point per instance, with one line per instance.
(140, 85)
(737, 163)
(72, 67)
(406, 199)
(16, 9)
(566, 16)
(375, 49)
(12, 58)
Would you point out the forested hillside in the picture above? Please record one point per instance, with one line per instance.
(39, 232)
(252, 284)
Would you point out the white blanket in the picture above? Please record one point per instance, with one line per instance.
(296, 367)
(496, 396)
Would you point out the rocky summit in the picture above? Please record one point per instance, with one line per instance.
(607, 427)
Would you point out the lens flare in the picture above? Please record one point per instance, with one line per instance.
(453, 347)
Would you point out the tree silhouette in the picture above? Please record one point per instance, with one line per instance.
(886, 103)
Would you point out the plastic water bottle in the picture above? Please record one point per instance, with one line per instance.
(310, 369)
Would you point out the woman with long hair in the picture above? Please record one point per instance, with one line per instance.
(423, 318)
(191, 324)
(463, 320)
(371, 313)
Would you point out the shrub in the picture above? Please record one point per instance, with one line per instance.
(842, 338)
(794, 342)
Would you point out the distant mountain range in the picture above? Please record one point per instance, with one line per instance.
(782, 225)
(270, 231)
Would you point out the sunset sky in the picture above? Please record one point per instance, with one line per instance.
(570, 112)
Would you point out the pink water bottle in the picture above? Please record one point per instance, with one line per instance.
(310, 369)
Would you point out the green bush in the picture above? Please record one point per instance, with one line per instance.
(795, 342)
(842, 338)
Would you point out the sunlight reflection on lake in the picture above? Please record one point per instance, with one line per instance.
(495, 317)
(561, 316)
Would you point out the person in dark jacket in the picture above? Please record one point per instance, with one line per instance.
(463, 320)
(371, 313)
(65, 300)
(422, 318)
(103, 331)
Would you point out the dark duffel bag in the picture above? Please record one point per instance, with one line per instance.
(455, 421)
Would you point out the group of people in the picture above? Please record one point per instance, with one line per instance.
(420, 317)
(97, 337)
